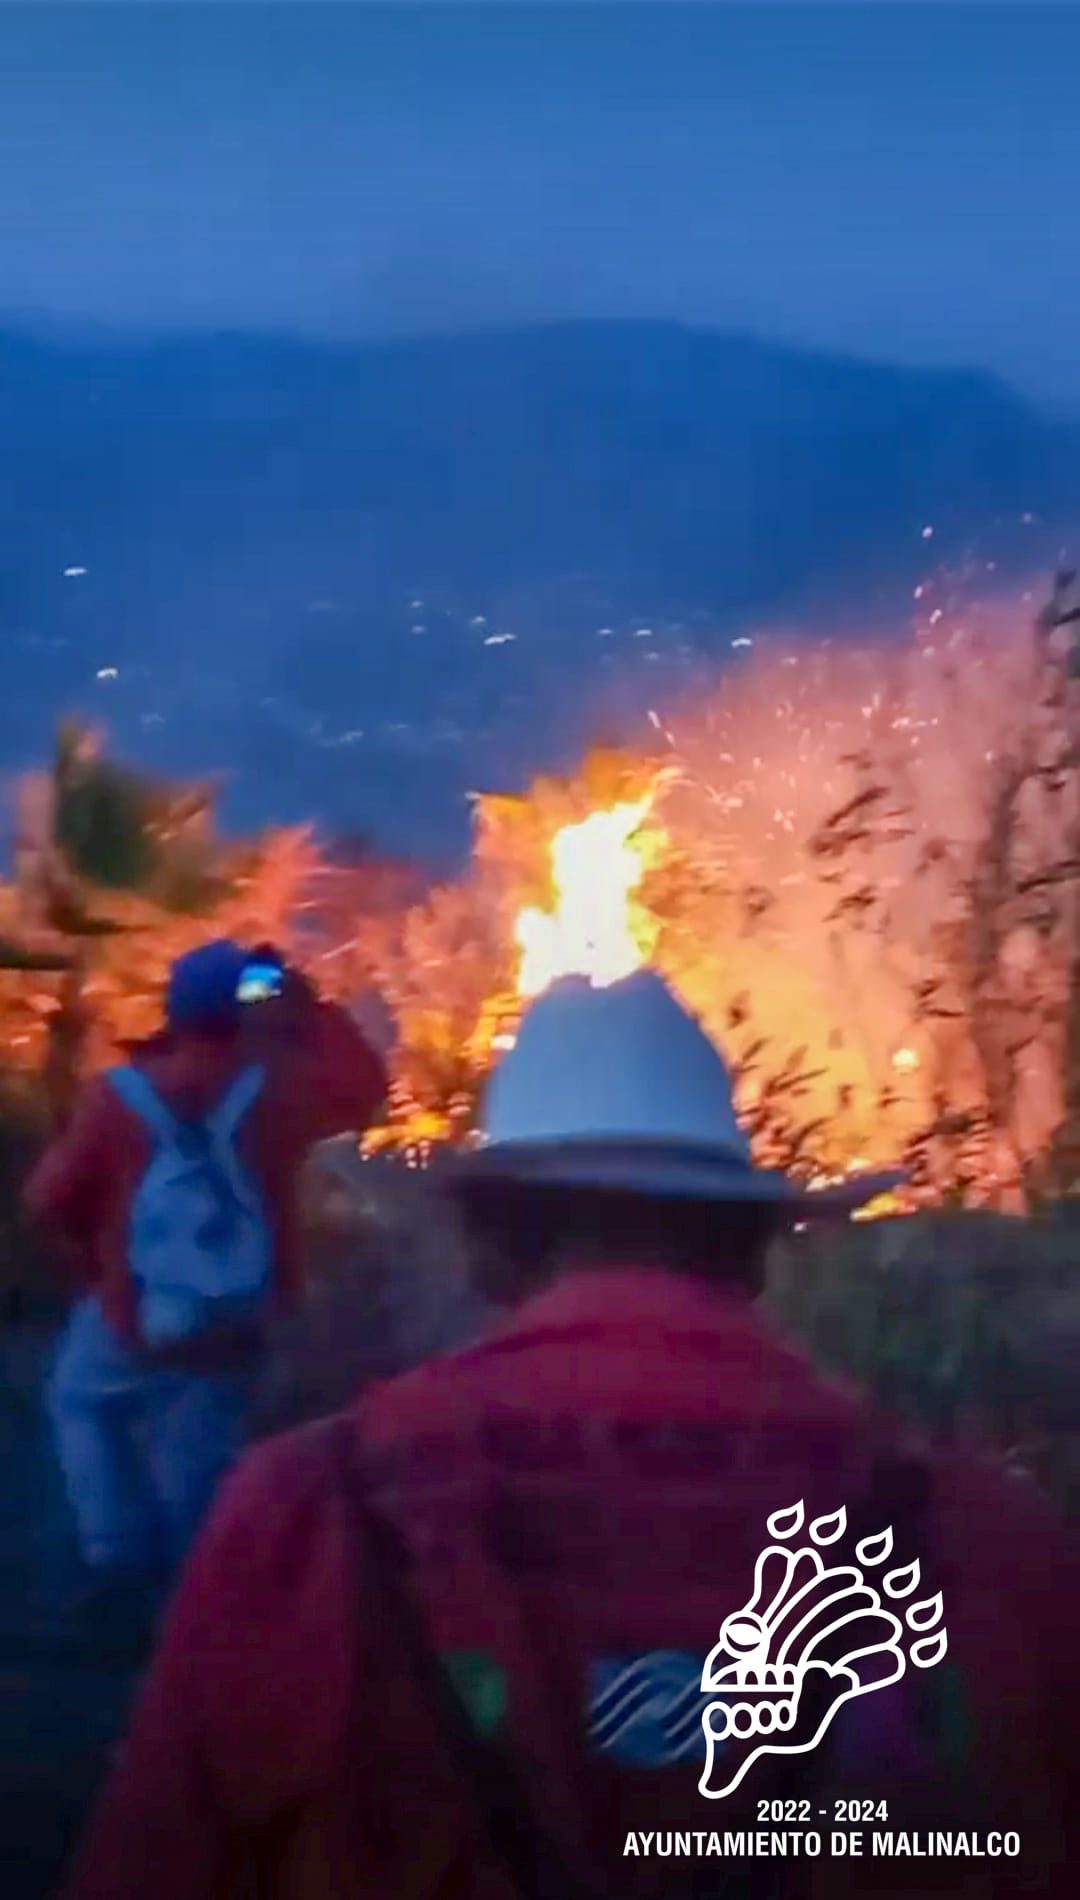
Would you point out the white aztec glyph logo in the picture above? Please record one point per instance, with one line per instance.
(808, 1625)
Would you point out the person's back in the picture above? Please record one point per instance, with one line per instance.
(174, 1186)
(588, 1492)
(319, 1077)
(584, 1497)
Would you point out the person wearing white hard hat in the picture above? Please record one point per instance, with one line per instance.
(620, 1087)
(461, 1633)
(615, 1110)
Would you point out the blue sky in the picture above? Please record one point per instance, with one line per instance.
(901, 181)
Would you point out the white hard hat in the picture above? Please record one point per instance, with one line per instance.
(620, 1088)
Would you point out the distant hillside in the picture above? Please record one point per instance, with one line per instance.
(257, 518)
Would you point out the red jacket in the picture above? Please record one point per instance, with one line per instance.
(321, 1080)
(588, 1484)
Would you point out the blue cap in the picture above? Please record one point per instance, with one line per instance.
(203, 985)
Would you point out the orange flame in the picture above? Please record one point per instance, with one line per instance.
(595, 928)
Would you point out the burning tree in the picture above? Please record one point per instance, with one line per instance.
(445, 969)
(117, 874)
(547, 889)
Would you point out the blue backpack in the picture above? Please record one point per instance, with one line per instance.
(200, 1247)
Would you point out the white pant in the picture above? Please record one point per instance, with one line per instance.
(141, 1450)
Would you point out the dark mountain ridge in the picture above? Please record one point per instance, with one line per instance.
(257, 516)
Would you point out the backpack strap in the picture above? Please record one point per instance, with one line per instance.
(238, 1100)
(534, 1865)
(522, 1850)
(137, 1092)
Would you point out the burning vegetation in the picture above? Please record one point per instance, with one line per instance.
(861, 869)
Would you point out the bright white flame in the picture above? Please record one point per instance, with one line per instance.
(596, 869)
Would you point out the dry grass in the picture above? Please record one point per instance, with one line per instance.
(388, 1287)
(966, 1324)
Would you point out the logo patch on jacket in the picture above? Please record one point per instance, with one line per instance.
(646, 1710)
(481, 1687)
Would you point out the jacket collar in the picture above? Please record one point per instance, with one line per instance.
(608, 1297)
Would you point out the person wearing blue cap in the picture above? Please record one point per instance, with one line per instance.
(204, 985)
(174, 1187)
